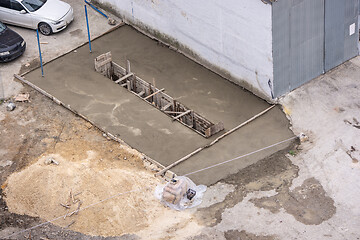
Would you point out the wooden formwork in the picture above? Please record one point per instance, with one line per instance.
(155, 96)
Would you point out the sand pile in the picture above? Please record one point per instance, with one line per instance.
(41, 188)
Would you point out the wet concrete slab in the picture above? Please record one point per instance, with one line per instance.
(73, 80)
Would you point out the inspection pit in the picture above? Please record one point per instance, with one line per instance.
(73, 80)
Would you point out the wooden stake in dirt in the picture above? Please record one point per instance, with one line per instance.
(65, 206)
(215, 141)
(70, 224)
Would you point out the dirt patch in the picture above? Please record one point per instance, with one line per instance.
(35, 63)
(308, 203)
(242, 235)
(88, 163)
(39, 190)
(273, 172)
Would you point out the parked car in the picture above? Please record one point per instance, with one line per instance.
(12, 45)
(49, 16)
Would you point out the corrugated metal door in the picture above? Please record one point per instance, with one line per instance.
(311, 37)
(298, 43)
(341, 31)
(306, 41)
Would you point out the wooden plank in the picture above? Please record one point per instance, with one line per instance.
(178, 161)
(124, 77)
(153, 94)
(213, 142)
(128, 69)
(166, 106)
(163, 101)
(172, 112)
(174, 105)
(214, 129)
(133, 83)
(140, 94)
(181, 115)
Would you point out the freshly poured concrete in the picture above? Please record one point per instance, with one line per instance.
(73, 80)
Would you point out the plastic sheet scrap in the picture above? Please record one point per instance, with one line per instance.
(180, 193)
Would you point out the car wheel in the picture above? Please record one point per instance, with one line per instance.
(45, 29)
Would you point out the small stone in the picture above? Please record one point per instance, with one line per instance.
(51, 160)
(303, 137)
(6, 163)
(75, 51)
(10, 107)
(339, 109)
(125, 158)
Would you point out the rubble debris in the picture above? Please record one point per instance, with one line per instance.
(355, 123)
(51, 160)
(353, 153)
(11, 106)
(22, 97)
(111, 21)
(303, 137)
(180, 193)
(6, 163)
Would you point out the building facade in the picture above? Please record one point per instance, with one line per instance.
(269, 47)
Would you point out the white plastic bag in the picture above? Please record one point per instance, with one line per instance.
(177, 193)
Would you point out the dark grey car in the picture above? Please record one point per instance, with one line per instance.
(12, 45)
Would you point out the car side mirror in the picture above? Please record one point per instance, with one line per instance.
(23, 11)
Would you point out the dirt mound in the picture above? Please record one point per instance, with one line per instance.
(40, 189)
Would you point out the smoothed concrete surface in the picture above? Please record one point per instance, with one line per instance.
(73, 80)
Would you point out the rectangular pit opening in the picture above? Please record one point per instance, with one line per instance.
(155, 96)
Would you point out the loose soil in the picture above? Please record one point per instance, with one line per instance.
(89, 164)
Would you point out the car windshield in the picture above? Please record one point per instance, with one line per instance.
(2, 27)
(33, 5)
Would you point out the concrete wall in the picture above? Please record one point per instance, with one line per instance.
(231, 37)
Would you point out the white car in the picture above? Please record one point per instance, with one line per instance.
(49, 16)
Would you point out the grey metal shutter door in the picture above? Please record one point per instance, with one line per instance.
(340, 46)
(307, 41)
(298, 43)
